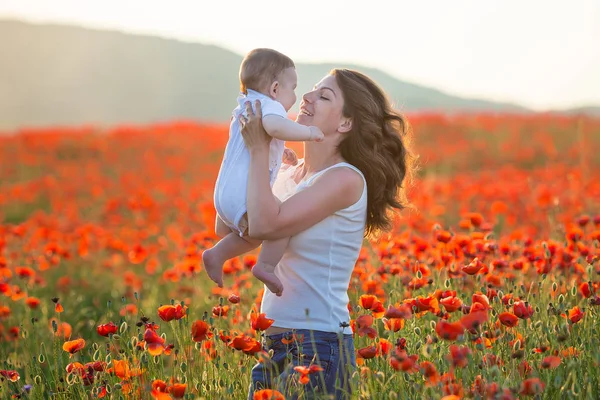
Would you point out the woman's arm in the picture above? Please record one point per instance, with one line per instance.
(267, 220)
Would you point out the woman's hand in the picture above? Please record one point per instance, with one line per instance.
(252, 129)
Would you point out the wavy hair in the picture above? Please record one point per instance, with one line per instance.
(377, 145)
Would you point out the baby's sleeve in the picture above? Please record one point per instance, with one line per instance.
(272, 107)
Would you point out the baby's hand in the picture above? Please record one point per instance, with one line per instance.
(289, 157)
(316, 134)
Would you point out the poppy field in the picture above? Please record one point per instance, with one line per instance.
(487, 288)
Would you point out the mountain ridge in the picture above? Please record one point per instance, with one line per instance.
(58, 74)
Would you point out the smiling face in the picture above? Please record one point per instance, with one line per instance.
(322, 107)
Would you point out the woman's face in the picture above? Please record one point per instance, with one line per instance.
(322, 107)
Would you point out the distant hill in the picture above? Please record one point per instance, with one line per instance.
(65, 75)
(593, 111)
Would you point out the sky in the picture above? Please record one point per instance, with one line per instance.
(540, 54)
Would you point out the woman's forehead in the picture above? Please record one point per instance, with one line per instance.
(328, 82)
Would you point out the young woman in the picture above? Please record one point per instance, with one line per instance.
(344, 188)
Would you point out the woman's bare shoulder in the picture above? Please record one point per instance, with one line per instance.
(344, 180)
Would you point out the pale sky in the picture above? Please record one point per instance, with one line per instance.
(538, 53)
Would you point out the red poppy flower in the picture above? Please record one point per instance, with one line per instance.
(522, 310)
(261, 322)
(473, 267)
(367, 301)
(402, 311)
(267, 394)
(220, 311)
(451, 303)
(378, 310)
(475, 218)
(32, 302)
(225, 338)
(550, 362)
(367, 352)
(96, 365)
(364, 321)
(159, 385)
(400, 361)
(429, 303)
(508, 319)
(11, 375)
(245, 343)
(73, 346)
(107, 329)
(430, 373)
(449, 331)
(574, 234)
(177, 390)
(575, 314)
(443, 236)
(123, 370)
(384, 346)
(532, 386)
(459, 355)
(305, 371)
(169, 312)
(200, 331)
(158, 395)
(155, 343)
(524, 368)
(234, 298)
(481, 298)
(473, 320)
(393, 324)
(75, 367)
(297, 338)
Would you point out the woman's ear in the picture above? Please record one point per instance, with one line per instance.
(274, 89)
(345, 125)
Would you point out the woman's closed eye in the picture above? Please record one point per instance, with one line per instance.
(324, 98)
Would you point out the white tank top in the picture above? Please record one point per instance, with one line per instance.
(317, 265)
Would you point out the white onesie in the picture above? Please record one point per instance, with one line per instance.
(232, 181)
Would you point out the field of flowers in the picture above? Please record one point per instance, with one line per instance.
(488, 289)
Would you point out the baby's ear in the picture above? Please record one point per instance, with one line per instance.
(274, 89)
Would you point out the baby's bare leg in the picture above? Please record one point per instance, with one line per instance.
(270, 254)
(221, 228)
(232, 245)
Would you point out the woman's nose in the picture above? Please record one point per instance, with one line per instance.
(307, 97)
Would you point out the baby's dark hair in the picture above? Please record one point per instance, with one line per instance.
(261, 67)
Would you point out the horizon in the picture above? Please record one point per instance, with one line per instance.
(525, 70)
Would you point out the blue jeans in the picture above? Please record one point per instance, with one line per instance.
(331, 351)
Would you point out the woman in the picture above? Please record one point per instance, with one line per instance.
(327, 218)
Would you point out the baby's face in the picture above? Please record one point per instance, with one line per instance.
(288, 80)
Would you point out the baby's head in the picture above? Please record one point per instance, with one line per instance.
(270, 73)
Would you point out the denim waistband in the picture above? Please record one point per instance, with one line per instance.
(306, 334)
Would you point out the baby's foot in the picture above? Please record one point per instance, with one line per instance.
(213, 266)
(268, 278)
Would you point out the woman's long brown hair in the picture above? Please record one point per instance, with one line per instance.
(377, 146)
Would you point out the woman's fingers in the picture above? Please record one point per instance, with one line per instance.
(242, 120)
(258, 107)
(250, 112)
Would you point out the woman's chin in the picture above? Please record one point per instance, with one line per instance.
(303, 119)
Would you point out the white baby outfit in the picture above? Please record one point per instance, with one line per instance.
(232, 181)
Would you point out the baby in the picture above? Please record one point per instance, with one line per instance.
(270, 77)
